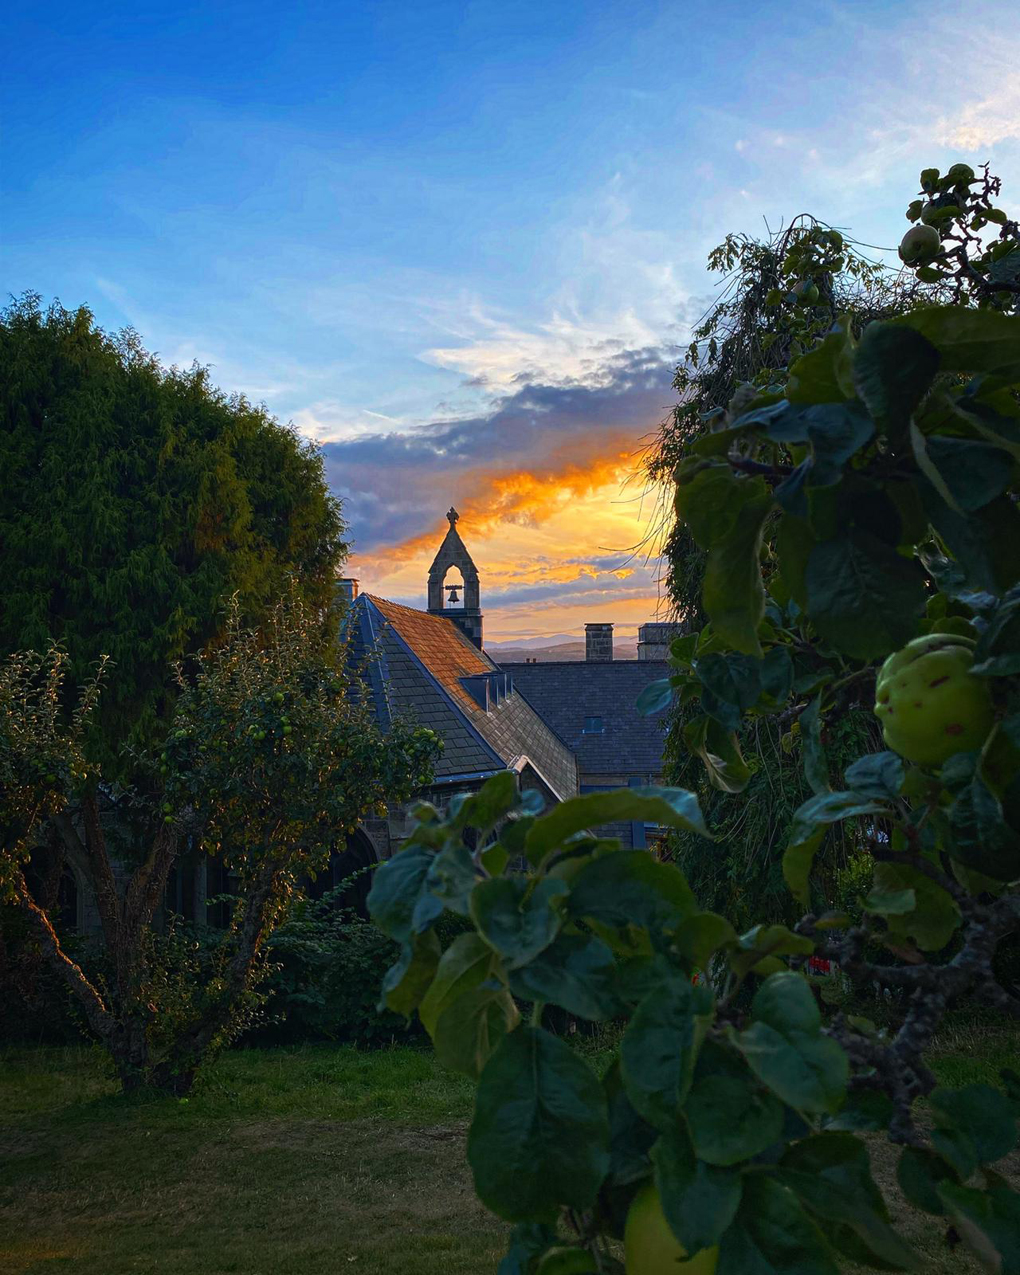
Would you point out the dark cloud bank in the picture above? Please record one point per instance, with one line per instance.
(394, 485)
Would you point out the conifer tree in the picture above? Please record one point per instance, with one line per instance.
(136, 501)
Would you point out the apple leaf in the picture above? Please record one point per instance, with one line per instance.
(539, 1138)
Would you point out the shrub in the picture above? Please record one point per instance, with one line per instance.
(325, 965)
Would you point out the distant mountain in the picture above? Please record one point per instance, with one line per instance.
(546, 640)
(548, 650)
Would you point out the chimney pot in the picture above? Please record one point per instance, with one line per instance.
(348, 587)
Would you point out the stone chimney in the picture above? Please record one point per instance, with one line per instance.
(598, 643)
(347, 588)
(654, 639)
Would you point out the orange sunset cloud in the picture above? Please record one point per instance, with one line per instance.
(521, 498)
(555, 550)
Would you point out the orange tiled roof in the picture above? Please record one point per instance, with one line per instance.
(440, 645)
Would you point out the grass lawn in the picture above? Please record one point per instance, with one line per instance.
(284, 1162)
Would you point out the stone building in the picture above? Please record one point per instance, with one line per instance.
(429, 667)
(591, 704)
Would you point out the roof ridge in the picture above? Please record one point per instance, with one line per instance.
(579, 663)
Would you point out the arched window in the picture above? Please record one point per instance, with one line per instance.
(351, 863)
(54, 886)
(453, 590)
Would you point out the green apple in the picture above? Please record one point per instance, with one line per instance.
(920, 245)
(928, 701)
(652, 1248)
(806, 292)
(961, 174)
(936, 214)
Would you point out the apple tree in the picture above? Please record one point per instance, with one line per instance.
(270, 761)
(962, 241)
(862, 552)
(766, 317)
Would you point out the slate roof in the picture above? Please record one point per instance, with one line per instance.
(568, 692)
(418, 671)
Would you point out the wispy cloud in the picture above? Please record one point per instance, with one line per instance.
(990, 120)
(940, 86)
(484, 328)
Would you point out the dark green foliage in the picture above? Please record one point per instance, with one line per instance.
(538, 1103)
(701, 1198)
(135, 502)
(324, 967)
(35, 1005)
(743, 346)
(747, 341)
(741, 1111)
(756, 338)
(972, 264)
(741, 874)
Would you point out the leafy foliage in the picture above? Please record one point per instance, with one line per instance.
(744, 1113)
(322, 979)
(769, 332)
(976, 268)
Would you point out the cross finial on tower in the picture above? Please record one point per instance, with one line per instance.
(453, 515)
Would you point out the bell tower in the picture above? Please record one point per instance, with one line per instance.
(452, 553)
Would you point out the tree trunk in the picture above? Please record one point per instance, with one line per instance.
(176, 1074)
(120, 1021)
(98, 1015)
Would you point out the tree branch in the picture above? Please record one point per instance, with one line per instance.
(103, 882)
(897, 1067)
(98, 1015)
(260, 909)
(745, 466)
(148, 883)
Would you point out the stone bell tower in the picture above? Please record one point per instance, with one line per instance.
(452, 553)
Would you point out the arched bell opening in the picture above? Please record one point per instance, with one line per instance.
(453, 590)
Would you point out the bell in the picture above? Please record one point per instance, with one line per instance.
(451, 589)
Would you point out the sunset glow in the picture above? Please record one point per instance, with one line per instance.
(553, 553)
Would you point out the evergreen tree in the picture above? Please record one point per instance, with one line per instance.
(136, 501)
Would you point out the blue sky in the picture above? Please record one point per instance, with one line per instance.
(460, 243)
